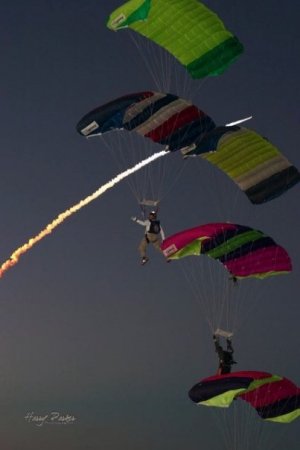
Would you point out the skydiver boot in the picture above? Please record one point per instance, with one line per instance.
(145, 259)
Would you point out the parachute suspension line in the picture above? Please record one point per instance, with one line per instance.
(236, 301)
(166, 72)
(267, 438)
(191, 278)
(149, 182)
(241, 428)
(243, 300)
(211, 299)
(249, 427)
(229, 191)
(226, 196)
(235, 430)
(196, 87)
(225, 313)
(207, 299)
(245, 296)
(143, 211)
(241, 435)
(154, 182)
(232, 303)
(208, 283)
(115, 145)
(227, 301)
(218, 416)
(219, 297)
(128, 148)
(155, 59)
(145, 59)
(233, 427)
(220, 300)
(15, 256)
(207, 280)
(209, 178)
(165, 63)
(218, 293)
(175, 178)
(258, 434)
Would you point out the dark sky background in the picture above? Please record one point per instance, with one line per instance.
(85, 330)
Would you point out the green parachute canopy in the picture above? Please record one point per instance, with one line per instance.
(250, 160)
(185, 28)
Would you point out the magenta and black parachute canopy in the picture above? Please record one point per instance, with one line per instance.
(275, 398)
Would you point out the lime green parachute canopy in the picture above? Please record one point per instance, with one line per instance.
(186, 28)
(250, 160)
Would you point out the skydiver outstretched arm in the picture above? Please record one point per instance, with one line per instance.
(144, 223)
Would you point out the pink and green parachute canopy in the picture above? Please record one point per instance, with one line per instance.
(243, 251)
(275, 398)
(187, 29)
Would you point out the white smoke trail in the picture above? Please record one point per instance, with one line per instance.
(238, 121)
(14, 258)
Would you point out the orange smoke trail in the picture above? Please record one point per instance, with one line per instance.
(14, 258)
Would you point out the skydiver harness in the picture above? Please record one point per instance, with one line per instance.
(153, 229)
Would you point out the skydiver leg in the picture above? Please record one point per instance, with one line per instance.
(155, 241)
(143, 250)
(149, 238)
(225, 369)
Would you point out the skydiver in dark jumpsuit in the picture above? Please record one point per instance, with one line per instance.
(225, 356)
